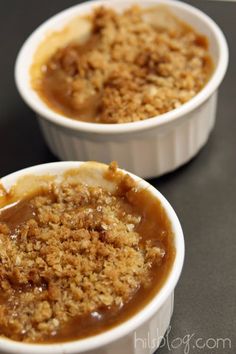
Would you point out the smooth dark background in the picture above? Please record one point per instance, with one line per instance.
(203, 192)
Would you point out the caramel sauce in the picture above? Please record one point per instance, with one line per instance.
(17, 214)
(55, 88)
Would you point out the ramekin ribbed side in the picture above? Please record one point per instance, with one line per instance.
(150, 147)
(148, 153)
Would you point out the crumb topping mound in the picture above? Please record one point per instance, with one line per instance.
(130, 69)
(76, 251)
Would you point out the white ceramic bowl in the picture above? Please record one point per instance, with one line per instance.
(148, 148)
(151, 322)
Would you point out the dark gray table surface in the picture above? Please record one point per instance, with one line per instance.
(203, 192)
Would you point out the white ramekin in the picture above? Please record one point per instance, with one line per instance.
(148, 325)
(148, 148)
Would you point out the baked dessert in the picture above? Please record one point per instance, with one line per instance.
(123, 67)
(79, 253)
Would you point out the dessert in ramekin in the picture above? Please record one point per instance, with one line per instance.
(56, 221)
(148, 147)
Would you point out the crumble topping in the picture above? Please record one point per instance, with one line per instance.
(77, 250)
(129, 70)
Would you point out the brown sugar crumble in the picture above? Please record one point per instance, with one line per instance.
(129, 69)
(76, 251)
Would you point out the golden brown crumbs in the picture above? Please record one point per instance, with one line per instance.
(78, 251)
(129, 70)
